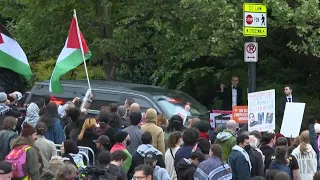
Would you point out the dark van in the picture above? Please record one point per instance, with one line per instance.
(165, 101)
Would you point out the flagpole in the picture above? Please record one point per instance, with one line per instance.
(80, 41)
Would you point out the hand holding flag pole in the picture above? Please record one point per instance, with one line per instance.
(82, 52)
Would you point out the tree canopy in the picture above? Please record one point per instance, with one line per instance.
(191, 45)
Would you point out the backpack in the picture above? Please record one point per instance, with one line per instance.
(18, 159)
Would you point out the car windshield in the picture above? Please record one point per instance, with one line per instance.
(181, 104)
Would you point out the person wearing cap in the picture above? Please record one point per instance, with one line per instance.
(6, 110)
(15, 97)
(122, 139)
(158, 172)
(186, 168)
(47, 149)
(103, 144)
(156, 131)
(134, 132)
(7, 136)
(28, 137)
(5, 170)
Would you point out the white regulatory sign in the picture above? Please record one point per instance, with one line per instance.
(255, 19)
(250, 52)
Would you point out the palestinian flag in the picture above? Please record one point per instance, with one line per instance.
(70, 57)
(12, 56)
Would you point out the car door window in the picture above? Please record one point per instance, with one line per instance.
(69, 93)
(103, 99)
(144, 103)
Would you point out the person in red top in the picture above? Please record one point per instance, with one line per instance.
(122, 139)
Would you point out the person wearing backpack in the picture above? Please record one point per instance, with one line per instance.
(24, 155)
(7, 136)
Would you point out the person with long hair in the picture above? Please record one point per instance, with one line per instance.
(67, 171)
(213, 164)
(53, 123)
(26, 140)
(47, 149)
(173, 144)
(87, 134)
(306, 156)
(74, 133)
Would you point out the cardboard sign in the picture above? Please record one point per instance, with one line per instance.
(240, 114)
(261, 110)
(292, 119)
(219, 117)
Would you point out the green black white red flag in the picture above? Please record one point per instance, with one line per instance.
(74, 53)
(12, 56)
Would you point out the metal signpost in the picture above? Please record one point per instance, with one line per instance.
(254, 25)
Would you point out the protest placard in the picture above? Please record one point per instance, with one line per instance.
(292, 119)
(261, 110)
(240, 114)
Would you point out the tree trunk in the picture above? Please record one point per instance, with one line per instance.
(109, 61)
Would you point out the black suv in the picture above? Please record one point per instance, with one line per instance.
(165, 101)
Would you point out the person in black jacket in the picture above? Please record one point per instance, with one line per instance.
(231, 95)
(6, 110)
(187, 167)
(139, 155)
(7, 136)
(72, 113)
(288, 98)
(105, 128)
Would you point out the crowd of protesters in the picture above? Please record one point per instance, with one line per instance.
(129, 145)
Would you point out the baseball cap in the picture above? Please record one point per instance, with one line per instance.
(3, 97)
(103, 139)
(150, 156)
(5, 167)
(17, 94)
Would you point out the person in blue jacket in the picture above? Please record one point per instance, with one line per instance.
(53, 122)
(239, 159)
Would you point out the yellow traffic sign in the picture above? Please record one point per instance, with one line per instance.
(255, 19)
(254, 31)
(254, 7)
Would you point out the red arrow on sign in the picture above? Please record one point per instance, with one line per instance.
(250, 57)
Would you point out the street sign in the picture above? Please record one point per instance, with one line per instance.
(250, 52)
(254, 19)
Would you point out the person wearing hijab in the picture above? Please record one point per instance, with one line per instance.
(32, 116)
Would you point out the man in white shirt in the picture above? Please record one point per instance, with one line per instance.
(232, 95)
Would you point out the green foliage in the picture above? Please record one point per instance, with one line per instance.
(43, 70)
(191, 45)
